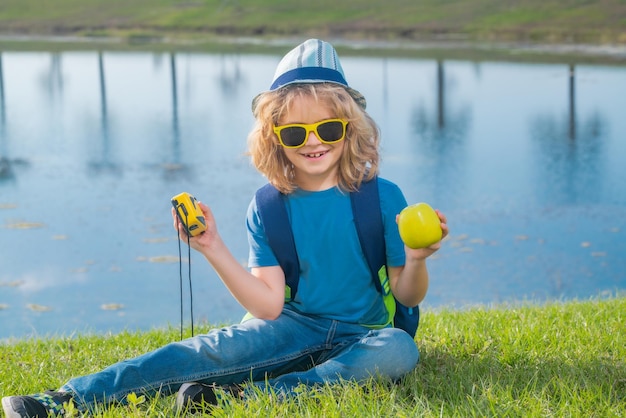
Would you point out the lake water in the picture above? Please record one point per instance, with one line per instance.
(528, 161)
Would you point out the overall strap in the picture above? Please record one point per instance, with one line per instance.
(275, 220)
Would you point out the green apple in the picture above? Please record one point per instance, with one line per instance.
(419, 226)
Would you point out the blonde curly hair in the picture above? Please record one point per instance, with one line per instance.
(360, 159)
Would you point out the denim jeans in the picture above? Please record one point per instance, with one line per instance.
(281, 353)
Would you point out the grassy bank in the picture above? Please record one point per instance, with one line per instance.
(559, 359)
(570, 21)
(533, 30)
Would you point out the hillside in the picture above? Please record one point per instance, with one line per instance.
(546, 21)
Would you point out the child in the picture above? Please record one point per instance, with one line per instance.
(315, 143)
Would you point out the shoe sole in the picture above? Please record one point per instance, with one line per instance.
(180, 397)
(9, 412)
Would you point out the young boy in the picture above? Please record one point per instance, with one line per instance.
(316, 144)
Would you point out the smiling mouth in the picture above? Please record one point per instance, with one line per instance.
(315, 155)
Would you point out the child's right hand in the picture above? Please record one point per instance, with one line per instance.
(203, 240)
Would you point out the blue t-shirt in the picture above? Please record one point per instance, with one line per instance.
(335, 280)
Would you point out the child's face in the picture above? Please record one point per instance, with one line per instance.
(316, 164)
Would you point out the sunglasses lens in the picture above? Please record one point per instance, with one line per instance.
(331, 131)
(293, 136)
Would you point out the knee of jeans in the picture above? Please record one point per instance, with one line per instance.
(402, 349)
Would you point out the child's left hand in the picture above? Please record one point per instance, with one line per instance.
(423, 253)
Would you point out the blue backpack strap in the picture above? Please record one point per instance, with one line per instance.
(368, 220)
(275, 220)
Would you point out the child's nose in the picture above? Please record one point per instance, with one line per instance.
(312, 139)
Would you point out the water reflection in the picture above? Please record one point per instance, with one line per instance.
(572, 101)
(230, 77)
(5, 166)
(104, 162)
(526, 160)
(441, 129)
(8, 165)
(570, 149)
(52, 79)
(2, 105)
(175, 128)
(441, 122)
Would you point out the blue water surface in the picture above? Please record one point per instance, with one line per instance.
(526, 160)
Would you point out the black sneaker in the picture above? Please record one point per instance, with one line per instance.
(197, 397)
(40, 405)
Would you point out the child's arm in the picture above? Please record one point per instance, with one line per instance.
(261, 291)
(409, 283)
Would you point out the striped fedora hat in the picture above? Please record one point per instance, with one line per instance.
(313, 61)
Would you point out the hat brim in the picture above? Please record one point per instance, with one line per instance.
(358, 97)
(355, 94)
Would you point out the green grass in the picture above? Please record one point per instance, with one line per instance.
(595, 21)
(556, 359)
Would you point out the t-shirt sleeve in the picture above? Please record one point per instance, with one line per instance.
(260, 253)
(392, 201)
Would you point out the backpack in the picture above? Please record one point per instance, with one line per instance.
(369, 226)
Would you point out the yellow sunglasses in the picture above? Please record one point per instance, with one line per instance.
(328, 131)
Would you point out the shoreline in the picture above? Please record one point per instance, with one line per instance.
(444, 48)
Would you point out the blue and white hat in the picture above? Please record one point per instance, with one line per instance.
(313, 61)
